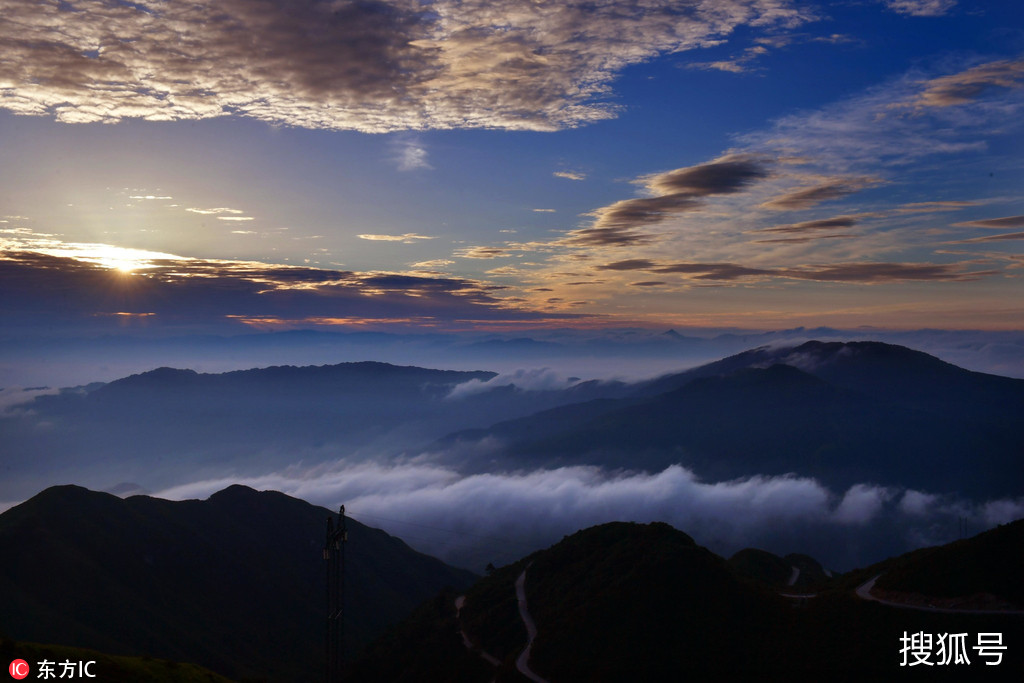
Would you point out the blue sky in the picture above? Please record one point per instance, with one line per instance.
(746, 163)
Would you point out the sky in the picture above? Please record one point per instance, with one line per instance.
(201, 166)
(205, 168)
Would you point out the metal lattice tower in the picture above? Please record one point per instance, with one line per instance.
(334, 554)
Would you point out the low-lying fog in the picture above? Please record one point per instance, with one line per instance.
(499, 517)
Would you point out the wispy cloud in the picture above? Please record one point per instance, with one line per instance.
(961, 88)
(412, 156)
(482, 252)
(570, 175)
(866, 272)
(407, 238)
(815, 225)
(921, 8)
(432, 264)
(994, 238)
(996, 223)
(827, 189)
(739, 64)
(215, 212)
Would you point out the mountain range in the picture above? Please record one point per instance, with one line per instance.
(842, 413)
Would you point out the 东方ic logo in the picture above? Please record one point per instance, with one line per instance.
(19, 669)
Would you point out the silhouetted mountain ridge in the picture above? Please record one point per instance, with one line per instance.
(628, 602)
(235, 582)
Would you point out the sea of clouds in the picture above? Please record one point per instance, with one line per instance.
(470, 520)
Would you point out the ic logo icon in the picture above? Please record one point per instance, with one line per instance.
(19, 669)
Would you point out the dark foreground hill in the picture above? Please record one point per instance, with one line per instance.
(235, 583)
(841, 413)
(631, 602)
(988, 568)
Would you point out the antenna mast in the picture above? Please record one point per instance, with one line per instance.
(334, 554)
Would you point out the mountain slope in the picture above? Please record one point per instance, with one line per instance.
(631, 602)
(157, 427)
(843, 413)
(986, 566)
(235, 583)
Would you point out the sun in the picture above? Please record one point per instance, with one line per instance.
(124, 260)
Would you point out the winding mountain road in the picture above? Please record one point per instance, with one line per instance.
(523, 662)
(864, 592)
(489, 658)
(794, 576)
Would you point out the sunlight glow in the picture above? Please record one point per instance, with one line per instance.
(122, 259)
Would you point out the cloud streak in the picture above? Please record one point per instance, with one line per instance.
(866, 273)
(407, 238)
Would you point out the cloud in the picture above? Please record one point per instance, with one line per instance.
(947, 91)
(570, 175)
(607, 237)
(531, 379)
(735, 65)
(868, 273)
(673, 192)
(712, 271)
(810, 226)
(921, 8)
(372, 66)
(862, 503)
(407, 238)
(930, 207)
(916, 503)
(994, 238)
(78, 293)
(805, 239)
(997, 223)
(482, 252)
(412, 156)
(628, 264)
(865, 272)
(828, 190)
(214, 212)
(14, 396)
(432, 264)
(500, 517)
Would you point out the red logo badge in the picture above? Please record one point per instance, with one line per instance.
(19, 669)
